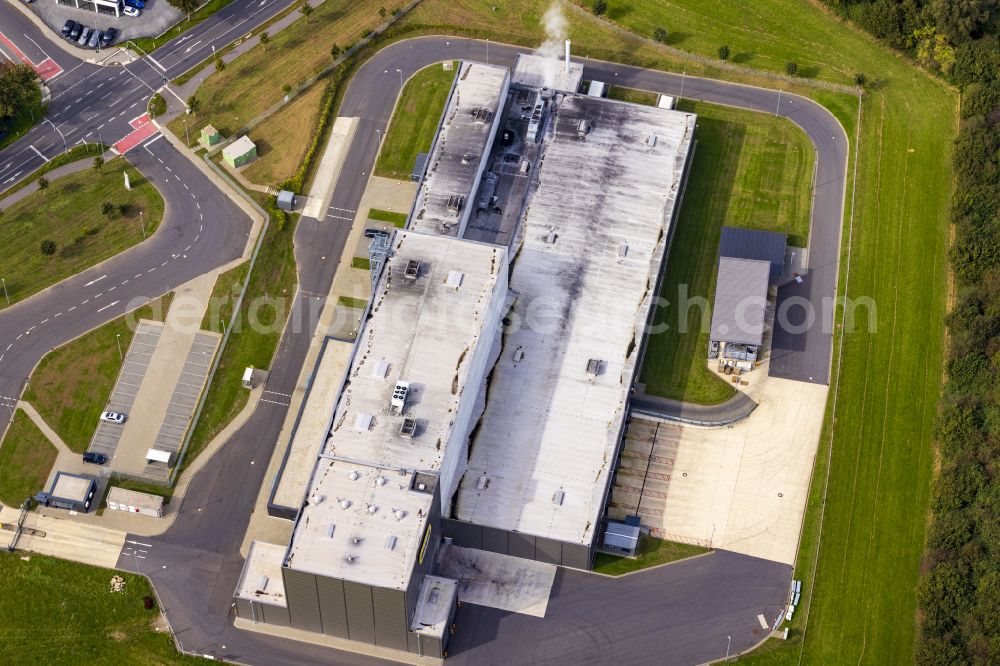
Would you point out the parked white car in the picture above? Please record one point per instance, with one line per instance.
(130, 11)
(113, 417)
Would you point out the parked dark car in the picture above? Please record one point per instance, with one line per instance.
(68, 27)
(108, 37)
(95, 39)
(75, 33)
(85, 36)
(138, 4)
(94, 458)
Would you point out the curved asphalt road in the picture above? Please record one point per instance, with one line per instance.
(201, 230)
(680, 614)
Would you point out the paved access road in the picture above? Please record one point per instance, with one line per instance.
(680, 614)
(201, 229)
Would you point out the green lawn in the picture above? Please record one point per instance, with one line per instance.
(70, 213)
(651, 552)
(26, 458)
(63, 613)
(415, 121)
(395, 219)
(150, 488)
(224, 295)
(72, 384)
(749, 170)
(624, 94)
(254, 338)
(363, 263)
(230, 99)
(357, 303)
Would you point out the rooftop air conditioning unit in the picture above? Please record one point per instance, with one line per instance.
(398, 401)
(408, 428)
(583, 129)
(593, 367)
(412, 270)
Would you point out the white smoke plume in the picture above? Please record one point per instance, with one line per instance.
(552, 48)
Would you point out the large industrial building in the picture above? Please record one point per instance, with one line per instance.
(488, 387)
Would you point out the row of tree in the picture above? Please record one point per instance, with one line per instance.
(959, 593)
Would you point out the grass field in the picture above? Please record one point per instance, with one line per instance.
(26, 458)
(414, 122)
(393, 218)
(749, 170)
(254, 339)
(61, 613)
(224, 294)
(72, 384)
(651, 552)
(632, 95)
(233, 97)
(279, 150)
(350, 302)
(70, 213)
(22, 122)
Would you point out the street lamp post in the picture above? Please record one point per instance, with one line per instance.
(142, 227)
(400, 79)
(729, 642)
(777, 108)
(5, 294)
(118, 339)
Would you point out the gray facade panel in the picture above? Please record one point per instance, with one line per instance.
(243, 609)
(391, 622)
(412, 642)
(576, 555)
(360, 614)
(332, 608)
(271, 614)
(548, 551)
(303, 601)
(462, 533)
(495, 540)
(431, 647)
(521, 545)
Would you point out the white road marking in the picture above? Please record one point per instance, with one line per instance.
(139, 543)
(95, 281)
(107, 306)
(32, 146)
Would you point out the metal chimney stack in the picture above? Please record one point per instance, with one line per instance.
(567, 57)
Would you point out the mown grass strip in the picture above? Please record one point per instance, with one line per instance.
(395, 219)
(414, 121)
(652, 552)
(26, 459)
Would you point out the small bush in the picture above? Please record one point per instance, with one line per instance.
(792, 68)
(157, 105)
(724, 52)
(108, 209)
(48, 247)
(660, 34)
(600, 7)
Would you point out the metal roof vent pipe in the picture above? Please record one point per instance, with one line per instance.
(567, 58)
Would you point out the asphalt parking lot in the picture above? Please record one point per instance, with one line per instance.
(156, 17)
(186, 393)
(107, 436)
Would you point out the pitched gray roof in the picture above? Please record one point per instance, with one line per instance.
(752, 244)
(740, 301)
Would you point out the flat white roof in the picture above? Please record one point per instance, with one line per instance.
(551, 424)
(460, 148)
(437, 597)
(134, 498)
(261, 578)
(310, 433)
(238, 147)
(540, 71)
(423, 330)
(71, 487)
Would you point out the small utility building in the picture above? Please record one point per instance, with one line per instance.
(738, 309)
(239, 152)
(69, 491)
